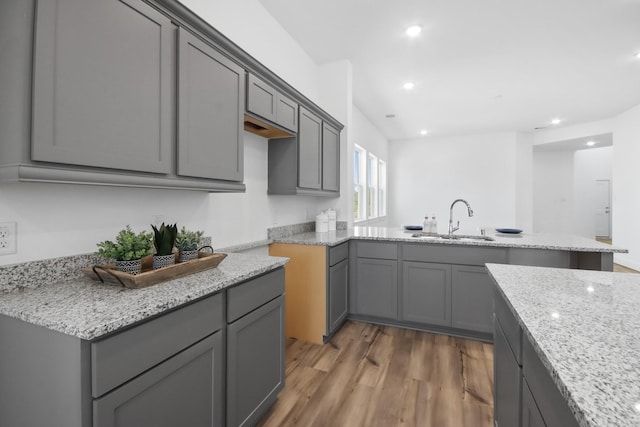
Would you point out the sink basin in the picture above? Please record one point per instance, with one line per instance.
(460, 237)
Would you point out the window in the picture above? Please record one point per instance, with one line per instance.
(382, 188)
(358, 183)
(372, 186)
(369, 185)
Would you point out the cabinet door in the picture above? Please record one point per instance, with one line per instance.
(102, 85)
(185, 390)
(531, 415)
(377, 288)
(330, 158)
(507, 381)
(338, 295)
(426, 293)
(261, 98)
(210, 110)
(471, 298)
(286, 112)
(255, 363)
(309, 150)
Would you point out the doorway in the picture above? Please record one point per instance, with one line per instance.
(603, 208)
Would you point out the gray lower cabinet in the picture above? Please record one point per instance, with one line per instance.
(376, 288)
(309, 150)
(338, 295)
(471, 298)
(255, 348)
(531, 415)
(183, 390)
(426, 293)
(507, 381)
(524, 393)
(211, 95)
(102, 85)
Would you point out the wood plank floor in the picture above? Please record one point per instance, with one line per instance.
(370, 375)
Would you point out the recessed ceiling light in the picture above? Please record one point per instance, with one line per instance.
(591, 143)
(390, 116)
(555, 121)
(409, 85)
(413, 30)
(424, 132)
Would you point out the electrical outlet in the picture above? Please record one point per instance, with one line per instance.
(8, 237)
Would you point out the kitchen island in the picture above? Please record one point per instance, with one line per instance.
(78, 353)
(571, 334)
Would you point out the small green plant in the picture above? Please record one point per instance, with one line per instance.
(164, 238)
(187, 240)
(128, 245)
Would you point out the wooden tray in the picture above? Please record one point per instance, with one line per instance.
(108, 273)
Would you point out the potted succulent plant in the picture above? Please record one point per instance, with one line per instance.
(128, 249)
(164, 238)
(187, 242)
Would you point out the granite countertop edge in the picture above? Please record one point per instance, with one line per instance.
(89, 310)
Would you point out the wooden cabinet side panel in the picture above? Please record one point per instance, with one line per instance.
(305, 288)
(102, 85)
(211, 96)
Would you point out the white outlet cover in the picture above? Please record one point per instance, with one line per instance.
(8, 238)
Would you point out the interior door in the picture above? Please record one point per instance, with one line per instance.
(603, 208)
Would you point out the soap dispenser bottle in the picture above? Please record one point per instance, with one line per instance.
(433, 225)
(426, 225)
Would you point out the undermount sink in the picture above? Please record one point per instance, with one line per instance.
(461, 237)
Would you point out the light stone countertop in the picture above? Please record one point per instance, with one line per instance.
(584, 326)
(87, 309)
(397, 234)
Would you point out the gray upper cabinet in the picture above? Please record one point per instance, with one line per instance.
(210, 110)
(330, 158)
(102, 85)
(261, 98)
(309, 150)
(426, 293)
(286, 112)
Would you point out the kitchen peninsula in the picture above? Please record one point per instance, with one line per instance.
(566, 347)
(433, 284)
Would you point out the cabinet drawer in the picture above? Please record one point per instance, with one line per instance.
(553, 406)
(509, 325)
(250, 295)
(338, 253)
(377, 250)
(122, 356)
(451, 254)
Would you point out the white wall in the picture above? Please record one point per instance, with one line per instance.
(57, 220)
(626, 186)
(524, 180)
(428, 174)
(553, 203)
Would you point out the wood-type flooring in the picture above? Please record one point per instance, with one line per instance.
(370, 375)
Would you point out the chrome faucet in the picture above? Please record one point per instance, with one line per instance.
(457, 227)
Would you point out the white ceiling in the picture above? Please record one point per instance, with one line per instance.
(574, 144)
(479, 65)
